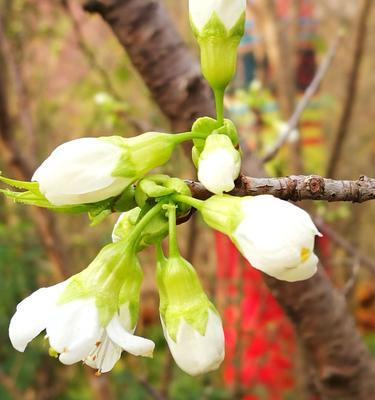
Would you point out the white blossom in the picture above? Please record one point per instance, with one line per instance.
(80, 171)
(277, 237)
(219, 168)
(195, 353)
(229, 11)
(74, 330)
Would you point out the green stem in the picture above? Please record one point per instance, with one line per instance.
(185, 136)
(191, 201)
(134, 235)
(173, 246)
(219, 104)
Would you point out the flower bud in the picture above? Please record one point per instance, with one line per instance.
(91, 316)
(219, 164)
(218, 26)
(275, 236)
(191, 324)
(89, 170)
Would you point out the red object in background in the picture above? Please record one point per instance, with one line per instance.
(260, 340)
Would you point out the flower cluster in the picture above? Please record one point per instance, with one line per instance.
(92, 316)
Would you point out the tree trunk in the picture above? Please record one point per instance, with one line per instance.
(172, 74)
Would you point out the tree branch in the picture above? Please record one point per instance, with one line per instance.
(297, 188)
(303, 103)
(352, 87)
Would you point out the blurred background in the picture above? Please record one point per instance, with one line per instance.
(63, 75)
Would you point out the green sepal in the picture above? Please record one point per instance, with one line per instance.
(159, 186)
(230, 130)
(181, 296)
(34, 199)
(205, 125)
(141, 154)
(30, 186)
(126, 201)
(156, 229)
(223, 213)
(113, 279)
(214, 41)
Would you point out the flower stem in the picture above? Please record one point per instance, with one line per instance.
(173, 246)
(219, 104)
(185, 136)
(191, 201)
(134, 235)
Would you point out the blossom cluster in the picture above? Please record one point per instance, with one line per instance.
(92, 316)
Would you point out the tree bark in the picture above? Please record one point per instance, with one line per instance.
(156, 49)
(343, 366)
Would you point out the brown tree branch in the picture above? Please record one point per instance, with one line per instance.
(352, 87)
(297, 188)
(303, 103)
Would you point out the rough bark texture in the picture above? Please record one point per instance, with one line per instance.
(158, 52)
(296, 188)
(343, 366)
(343, 369)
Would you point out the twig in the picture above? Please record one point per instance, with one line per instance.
(340, 241)
(352, 88)
(21, 91)
(154, 394)
(302, 104)
(296, 188)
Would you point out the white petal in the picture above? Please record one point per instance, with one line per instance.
(196, 354)
(136, 345)
(104, 355)
(80, 171)
(73, 329)
(274, 233)
(304, 271)
(32, 315)
(115, 237)
(229, 11)
(218, 171)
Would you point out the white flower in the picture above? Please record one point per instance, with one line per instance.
(80, 171)
(191, 324)
(229, 11)
(74, 330)
(89, 170)
(219, 164)
(275, 236)
(195, 353)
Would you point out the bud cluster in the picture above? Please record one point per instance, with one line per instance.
(92, 316)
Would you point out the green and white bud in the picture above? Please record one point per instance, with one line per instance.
(89, 170)
(275, 236)
(91, 316)
(191, 324)
(218, 26)
(156, 229)
(219, 164)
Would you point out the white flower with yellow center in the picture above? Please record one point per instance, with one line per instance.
(90, 317)
(275, 236)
